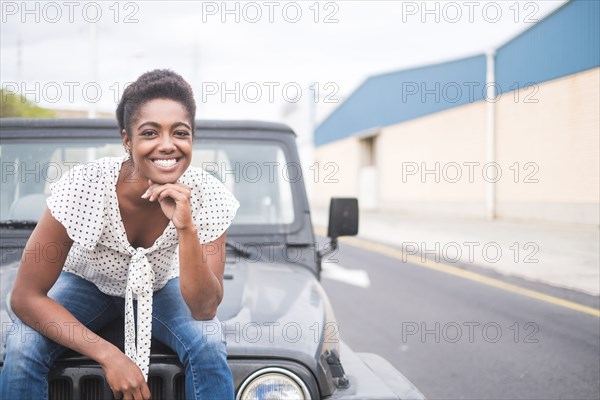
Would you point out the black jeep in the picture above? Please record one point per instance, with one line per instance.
(282, 337)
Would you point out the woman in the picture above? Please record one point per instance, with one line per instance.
(145, 238)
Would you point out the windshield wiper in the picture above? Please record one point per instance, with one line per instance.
(18, 224)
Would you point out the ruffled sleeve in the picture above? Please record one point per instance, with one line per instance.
(217, 209)
(77, 202)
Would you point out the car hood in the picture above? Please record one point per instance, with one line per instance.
(276, 305)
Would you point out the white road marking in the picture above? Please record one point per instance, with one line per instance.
(356, 277)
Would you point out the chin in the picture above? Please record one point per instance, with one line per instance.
(165, 177)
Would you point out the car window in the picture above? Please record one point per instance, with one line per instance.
(258, 174)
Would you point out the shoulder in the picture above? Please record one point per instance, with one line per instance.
(91, 174)
(77, 199)
(214, 206)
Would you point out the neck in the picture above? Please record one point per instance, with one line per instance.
(132, 185)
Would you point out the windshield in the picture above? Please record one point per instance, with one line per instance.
(258, 174)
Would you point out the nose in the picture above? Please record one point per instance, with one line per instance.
(166, 143)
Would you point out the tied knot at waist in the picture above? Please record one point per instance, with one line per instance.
(140, 278)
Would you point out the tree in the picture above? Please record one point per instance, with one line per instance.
(15, 105)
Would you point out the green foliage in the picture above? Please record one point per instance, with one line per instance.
(15, 105)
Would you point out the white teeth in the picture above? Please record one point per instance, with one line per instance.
(166, 163)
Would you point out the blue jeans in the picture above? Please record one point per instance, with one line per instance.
(200, 347)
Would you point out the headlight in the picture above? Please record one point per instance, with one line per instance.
(273, 384)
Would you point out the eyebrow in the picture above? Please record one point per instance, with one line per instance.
(173, 126)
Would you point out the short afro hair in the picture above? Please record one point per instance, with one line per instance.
(156, 84)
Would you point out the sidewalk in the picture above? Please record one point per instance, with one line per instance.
(561, 255)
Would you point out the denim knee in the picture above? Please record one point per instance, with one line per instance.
(27, 360)
(28, 351)
(206, 342)
(207, 372)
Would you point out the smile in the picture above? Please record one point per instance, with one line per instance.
(165, 163)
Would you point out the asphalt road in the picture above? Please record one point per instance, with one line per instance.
(459, 339)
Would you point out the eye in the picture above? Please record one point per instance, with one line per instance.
(182, 133)
(148, 133)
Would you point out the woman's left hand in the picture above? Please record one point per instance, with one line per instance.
(175, 202)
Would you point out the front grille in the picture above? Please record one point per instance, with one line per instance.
(180, 387)
(165, 380)
(156, 386)
(61, 388)
(91, 388)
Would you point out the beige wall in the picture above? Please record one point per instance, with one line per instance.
(559, 136)
(555, 141)
(338, 165)
(446, 142)
(404, 151)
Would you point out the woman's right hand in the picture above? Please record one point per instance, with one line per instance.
(125, 378)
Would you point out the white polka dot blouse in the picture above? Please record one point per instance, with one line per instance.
(85, 202)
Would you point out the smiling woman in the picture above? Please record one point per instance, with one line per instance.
(134, 241)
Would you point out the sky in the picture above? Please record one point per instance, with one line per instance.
(261, 60)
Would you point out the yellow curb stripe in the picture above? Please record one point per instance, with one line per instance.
(452, 270)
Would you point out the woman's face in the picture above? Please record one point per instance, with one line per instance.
(160, 141)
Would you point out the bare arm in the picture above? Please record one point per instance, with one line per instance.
(30, 302)
(201, 268)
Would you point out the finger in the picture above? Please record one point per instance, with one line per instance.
(152, 185)
(146, 395)
(180, 187)
(132, 394)
(137, 394)
(153, 191)
(176, 191)
(156, 192)
(177, 196)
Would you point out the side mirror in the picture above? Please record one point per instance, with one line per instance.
(343, 221)
(343, 217)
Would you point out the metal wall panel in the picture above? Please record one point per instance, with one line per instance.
(564, 43)
(403, 95)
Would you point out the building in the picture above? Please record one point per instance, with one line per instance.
(510, 134)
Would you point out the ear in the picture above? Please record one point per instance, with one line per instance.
(126, 140)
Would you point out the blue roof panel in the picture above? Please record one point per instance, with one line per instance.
(564, 43)
(403, 95)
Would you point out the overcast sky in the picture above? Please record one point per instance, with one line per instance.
(264, 47)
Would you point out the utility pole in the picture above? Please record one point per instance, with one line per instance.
(195, 81)
(490, 142)
(93, 66)
(19, 61)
